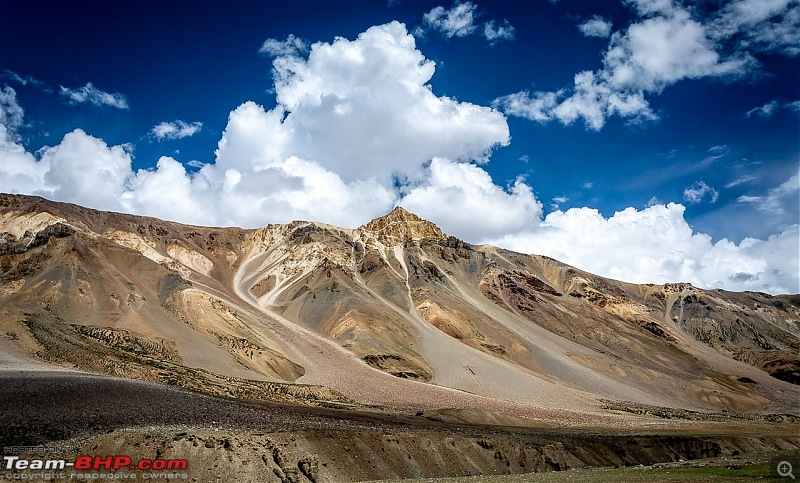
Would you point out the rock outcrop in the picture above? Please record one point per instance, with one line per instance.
(400, 226)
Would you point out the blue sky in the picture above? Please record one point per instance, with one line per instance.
(648, 140)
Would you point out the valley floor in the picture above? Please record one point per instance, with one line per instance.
(225, 438)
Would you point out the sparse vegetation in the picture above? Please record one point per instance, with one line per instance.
(685, 414)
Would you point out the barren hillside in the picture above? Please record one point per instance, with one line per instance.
(393, 313)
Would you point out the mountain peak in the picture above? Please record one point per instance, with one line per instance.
(400, 225)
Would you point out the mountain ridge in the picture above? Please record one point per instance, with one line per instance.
(393, 313)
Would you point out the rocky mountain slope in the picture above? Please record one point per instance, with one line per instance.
(393, 313)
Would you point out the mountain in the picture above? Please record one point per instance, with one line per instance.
(393, 313)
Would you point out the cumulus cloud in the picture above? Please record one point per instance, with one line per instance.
(494, 32)
(557, 202)
(85, 170)
(662, 50)
(168, 192)
(353, 119)
(667, 44)
(91, 94)
(459, 21)
(175, 130)
(537, 107)
(698, 191)
(291, 46)
(364, 108)
(81, 169)
(19, 172)
(485, 210)
(657, 245)
(596, 26)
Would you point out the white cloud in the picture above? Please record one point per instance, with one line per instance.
(86, 171)
(11, 114)
(596, 26)
(168, 192)
(19, 172)
(778, 199)
(654, 7)
(257, 178)
(538, 107)
(364, 108)
(764, 25)
(494, 33)
(80, 169)
(293, 46)
(772, 107)
(766, 110)
(668, 44)
(485, 210)
(14, 77)
(91, 94)
(719, 151)
(699, 190)
(455, 22)
(557, 201)
(23, 80)
(459, 21)
(656, 245)
(740, 180)
(592, 100)
(175, 130)
(660, 51)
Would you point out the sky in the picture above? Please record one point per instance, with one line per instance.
(650, 141)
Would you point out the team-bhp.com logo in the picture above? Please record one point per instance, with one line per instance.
(84, 462)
